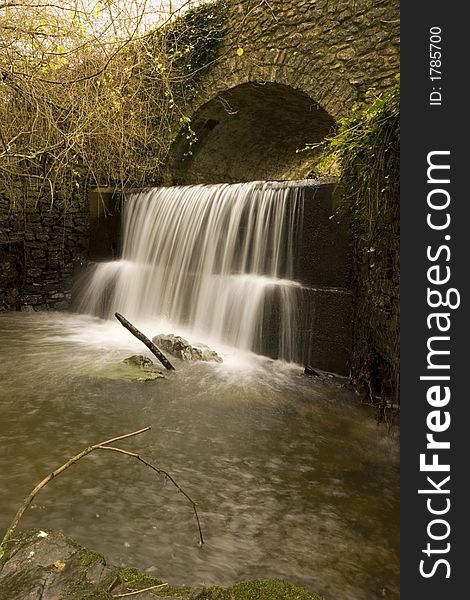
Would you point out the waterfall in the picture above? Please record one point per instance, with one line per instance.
(215, 259)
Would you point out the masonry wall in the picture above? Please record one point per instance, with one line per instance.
(42, 245)
(332, 50)
(284, 73)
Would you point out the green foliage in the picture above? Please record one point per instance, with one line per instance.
(366, 149)
(192, 42)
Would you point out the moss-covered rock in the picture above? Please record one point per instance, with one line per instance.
(133, 579)
(140, 361)
(141, 368)
(259, 589)
(48, 565)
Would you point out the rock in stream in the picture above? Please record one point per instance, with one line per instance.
(182, 349)
(145, 369)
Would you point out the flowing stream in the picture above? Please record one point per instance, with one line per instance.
(292, 476)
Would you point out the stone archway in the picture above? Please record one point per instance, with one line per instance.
(253, 131)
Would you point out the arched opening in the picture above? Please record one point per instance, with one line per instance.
(251, 132)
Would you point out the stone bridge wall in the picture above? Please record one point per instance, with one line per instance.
(329, 49)
(284, 73)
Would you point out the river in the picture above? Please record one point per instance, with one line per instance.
(292, 475)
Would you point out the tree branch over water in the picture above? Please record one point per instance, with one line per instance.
(100, 446)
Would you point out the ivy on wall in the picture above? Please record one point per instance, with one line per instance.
(174, 59)
(193, 41)
(180, 52)
(365, 154)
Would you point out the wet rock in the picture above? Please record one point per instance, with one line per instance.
(46, 565)
(146, 368)
(182, 349)
(138, 360)
(207, 354)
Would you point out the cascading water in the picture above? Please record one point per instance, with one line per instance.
(214, 259)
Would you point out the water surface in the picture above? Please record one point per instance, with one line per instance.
(293, 478)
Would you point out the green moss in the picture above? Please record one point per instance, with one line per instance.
(260, 589)
(89, 558)
(79, 587)
(133, 579)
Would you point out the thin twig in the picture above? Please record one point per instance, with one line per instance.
(165, 474)
(123, 437)
(152, 587)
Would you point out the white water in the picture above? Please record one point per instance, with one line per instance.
(211, 259)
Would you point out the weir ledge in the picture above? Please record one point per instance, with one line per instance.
(322, 267)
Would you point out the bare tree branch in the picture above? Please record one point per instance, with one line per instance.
(100, 446)
(92, 97)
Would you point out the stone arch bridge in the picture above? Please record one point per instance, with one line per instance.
(285, 72)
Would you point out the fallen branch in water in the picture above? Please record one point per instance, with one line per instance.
(101, 446)
(145, 340)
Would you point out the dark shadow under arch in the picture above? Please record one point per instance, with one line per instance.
(250, 132)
